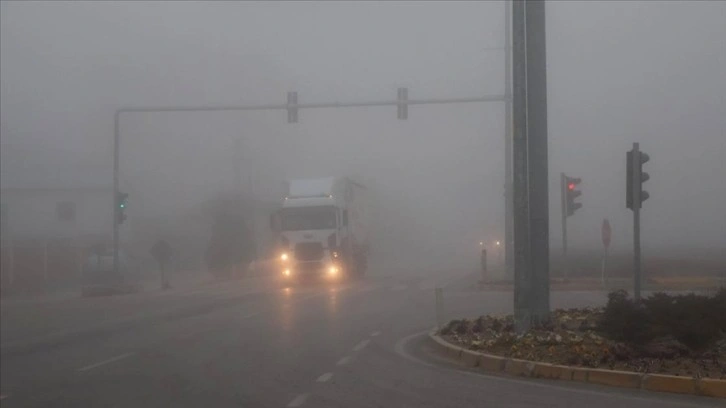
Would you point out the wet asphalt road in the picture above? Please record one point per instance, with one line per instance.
(255, 343)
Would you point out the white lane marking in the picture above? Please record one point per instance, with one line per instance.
(104, 362)
(297, 401)
(360, 346)
(375, 333)
(400, 349)
(342, 361)
(325, 377)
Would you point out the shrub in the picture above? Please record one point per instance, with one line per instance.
(624, 320)
(693, 320)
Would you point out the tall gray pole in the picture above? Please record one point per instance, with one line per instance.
(115, 192)
(539, 216)
(520, 177)
(563, 195)
(508, 196)
(531, 209)
(636, 185)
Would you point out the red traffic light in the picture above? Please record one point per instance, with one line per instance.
(571, 186)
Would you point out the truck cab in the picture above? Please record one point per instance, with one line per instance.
(316, 239)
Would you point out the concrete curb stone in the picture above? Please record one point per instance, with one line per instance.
(623, 379)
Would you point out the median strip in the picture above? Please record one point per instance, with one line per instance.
(622, 379)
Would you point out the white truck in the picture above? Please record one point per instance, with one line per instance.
(322, 229)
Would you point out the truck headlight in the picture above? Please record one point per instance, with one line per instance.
(333, 270)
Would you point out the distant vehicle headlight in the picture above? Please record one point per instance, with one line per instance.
(284, 256)
(333, 270)
(286, 272)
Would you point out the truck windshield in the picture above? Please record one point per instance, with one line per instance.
(308, 218)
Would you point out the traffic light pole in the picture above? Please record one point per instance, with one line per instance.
(636, 185)
(563, 196)
(291, 106)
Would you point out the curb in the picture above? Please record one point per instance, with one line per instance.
(623, 379)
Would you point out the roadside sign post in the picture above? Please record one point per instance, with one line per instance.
(606, 233)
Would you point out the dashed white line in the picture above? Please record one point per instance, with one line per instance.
(342, 361)
(325, 377)
(297, 401)
(104, 362)
(375, 333)
(360, 346)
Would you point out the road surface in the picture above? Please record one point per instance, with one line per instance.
(252, 343)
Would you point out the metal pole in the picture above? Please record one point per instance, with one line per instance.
(520, 176)
(536, 63)
(636, 218)
(508, 200)
(115, 192)
(563, 193)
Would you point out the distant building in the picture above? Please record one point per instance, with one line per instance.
(48, 223)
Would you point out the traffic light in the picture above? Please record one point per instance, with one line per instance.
(571, 193)
(635, 195)
(402, 103)
(121, 204)
(292, 111)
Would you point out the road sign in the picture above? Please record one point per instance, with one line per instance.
(606, 233)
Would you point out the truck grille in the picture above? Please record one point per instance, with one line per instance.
(309, 251)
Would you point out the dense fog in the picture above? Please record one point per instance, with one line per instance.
(618, 72)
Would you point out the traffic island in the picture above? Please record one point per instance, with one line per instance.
(664, 343)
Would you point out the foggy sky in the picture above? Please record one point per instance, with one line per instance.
(618, 72)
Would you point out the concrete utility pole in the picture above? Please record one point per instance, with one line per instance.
(531, 201)
(508, 200)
